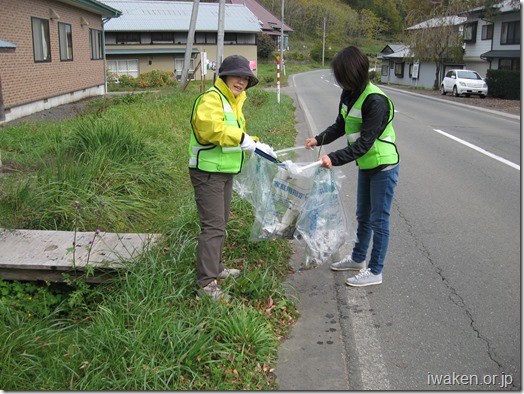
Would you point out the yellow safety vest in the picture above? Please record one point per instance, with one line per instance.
(384, 150)
(215, 158)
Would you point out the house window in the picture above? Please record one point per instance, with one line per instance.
(399, 70)
(110, 38)
(250, 39)
(410, 71)
(65, 39)
(510, 33)
(205, 38)
(487, 32)
(41, 40)
(470, 32)
(161, 38)
(128, 38)
(124, 67)
(179, 65)
(95, 38)
(385, 70)
(230, 38)
(509, 64)
(180, 38)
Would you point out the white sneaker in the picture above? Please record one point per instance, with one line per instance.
(227, 272)
(348, 264)
(213, 290)
(364, 278)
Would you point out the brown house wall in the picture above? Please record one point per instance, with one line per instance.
(24, 80)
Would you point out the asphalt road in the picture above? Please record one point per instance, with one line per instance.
(448, 314)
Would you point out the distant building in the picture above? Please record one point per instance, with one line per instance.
(269, 23)
(491, 41)
(51, 53)
(152, 35)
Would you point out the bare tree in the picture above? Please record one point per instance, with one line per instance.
(436, 39)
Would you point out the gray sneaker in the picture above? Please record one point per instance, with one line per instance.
(213, 290)
(348, 264)
(364, 278)
(227, 272)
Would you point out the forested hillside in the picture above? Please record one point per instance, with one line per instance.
(360, 20)
(369, 24)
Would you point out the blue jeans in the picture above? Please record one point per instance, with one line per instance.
(374, 200)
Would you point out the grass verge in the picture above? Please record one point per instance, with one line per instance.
(122, 167)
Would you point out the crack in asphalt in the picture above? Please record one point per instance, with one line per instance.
(453, 296)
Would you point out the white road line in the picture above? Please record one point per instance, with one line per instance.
(483, 151)
(309, 119)
(373, 371)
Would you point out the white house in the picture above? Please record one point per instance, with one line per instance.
(399, 65)
(492, 39)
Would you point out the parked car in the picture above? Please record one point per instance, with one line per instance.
(466, 82)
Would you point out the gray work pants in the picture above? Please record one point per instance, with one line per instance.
(213, 198)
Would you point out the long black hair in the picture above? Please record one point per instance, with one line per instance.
(351, 69)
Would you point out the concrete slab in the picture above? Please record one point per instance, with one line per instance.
(45, 255)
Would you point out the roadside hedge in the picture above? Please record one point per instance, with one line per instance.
(504, 84)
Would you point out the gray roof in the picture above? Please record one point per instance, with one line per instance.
(401, 53)
(151, 15)
(504, 6)
(501, 54)
(397, 51)
(439, 22)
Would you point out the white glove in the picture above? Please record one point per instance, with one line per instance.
(248, 144)
(266, 149)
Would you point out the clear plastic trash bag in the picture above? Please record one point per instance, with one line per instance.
(276, 193)
(295, 201)
(323, 223)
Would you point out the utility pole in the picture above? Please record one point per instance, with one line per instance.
(324, 42)
(282, 36)
(189, 44)
(220, 35)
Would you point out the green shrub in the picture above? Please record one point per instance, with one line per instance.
(296, 56)
(374, 76)
(157, 79)
(316, 53)
(126, 80)
(265, 45)
(504, 84)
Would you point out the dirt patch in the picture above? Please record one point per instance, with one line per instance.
(61, 112)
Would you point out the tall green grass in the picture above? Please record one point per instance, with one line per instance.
(122, 167)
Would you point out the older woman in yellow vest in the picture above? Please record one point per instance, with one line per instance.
(365, 116)
(217, 150)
